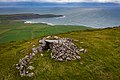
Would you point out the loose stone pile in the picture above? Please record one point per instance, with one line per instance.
(23, 67)
(62, 49)
(65, 50)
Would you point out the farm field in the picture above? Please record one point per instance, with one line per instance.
(18, 30)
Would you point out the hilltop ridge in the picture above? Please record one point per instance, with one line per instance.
(101, 61)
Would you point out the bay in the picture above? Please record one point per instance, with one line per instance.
(91, 17)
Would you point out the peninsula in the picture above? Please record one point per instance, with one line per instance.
(27, 16)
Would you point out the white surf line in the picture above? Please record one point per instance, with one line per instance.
(48, 23)
(31, 22)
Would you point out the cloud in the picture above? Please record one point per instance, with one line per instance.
(62, 1)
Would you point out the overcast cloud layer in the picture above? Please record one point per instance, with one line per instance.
(115, 1)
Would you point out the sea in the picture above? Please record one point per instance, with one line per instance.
(90, 17)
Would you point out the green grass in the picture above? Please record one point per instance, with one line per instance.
(102, 62)
(17, 30)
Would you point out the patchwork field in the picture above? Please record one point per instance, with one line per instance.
(102, 62)
(17, 30)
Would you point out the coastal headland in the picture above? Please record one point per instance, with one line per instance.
(26, 16)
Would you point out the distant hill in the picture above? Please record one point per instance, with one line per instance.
(48, 4)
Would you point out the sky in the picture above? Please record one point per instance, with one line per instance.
(62, 1)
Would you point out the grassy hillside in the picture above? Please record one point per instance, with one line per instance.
(17, 30)
(102, 62)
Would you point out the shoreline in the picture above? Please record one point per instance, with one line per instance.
(51, 24)
(32, 22)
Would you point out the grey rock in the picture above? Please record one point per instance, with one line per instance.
(30, 67)
(81, 50)
(33, 54)
(41, 54)
(30, 74)
(68, 59)
(85, 51)
(35, 50)
(48, 37)
(33, 45)
(60, 59)
(78, 57)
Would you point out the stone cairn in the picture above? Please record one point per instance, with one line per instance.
(62, 49)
